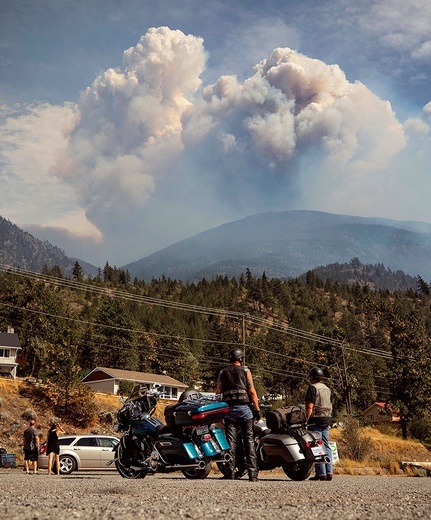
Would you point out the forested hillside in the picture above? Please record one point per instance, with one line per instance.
(20, 249)
(374, 276)
(372, 344)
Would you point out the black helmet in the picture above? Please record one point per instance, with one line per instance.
(236, 354)
(189, 395)
(316, 373)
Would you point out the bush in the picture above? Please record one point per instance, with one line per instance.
(29, 414)
(125, 388)
(354, 445)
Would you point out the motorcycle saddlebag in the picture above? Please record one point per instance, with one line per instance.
(196, 412)
(279, 420)
(281, 446)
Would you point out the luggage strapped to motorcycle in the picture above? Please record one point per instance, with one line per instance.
(279, 421)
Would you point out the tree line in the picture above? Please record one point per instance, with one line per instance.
(373, 345)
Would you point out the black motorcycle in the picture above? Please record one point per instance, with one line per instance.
(288, 444)
(189, 442)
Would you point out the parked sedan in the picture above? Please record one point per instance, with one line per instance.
(81, 452)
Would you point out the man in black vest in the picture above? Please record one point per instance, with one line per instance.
(235, 384)
(318, 409)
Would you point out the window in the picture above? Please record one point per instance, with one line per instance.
(87, 441)
(107, 443)
(4, 352)
(65, 441)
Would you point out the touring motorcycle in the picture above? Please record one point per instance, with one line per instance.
(188, 442)
(286, 444)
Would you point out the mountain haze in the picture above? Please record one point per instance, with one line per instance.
(287, 244)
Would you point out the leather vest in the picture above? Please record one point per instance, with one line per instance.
(234, 385)
(322, 404)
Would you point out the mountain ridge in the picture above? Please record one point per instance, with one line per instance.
(289, 243)
(18, 248)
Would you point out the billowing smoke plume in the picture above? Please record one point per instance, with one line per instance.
(151, 132)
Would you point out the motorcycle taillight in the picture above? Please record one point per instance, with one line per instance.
(206, 437)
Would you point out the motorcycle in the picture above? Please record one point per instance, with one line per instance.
(288, 444)
(189, 442)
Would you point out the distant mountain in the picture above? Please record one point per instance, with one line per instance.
(20, 249)
(288, 244)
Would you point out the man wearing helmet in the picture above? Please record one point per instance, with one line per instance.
(318, 409)
(235, 384)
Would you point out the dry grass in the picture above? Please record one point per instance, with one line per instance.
(388, 450)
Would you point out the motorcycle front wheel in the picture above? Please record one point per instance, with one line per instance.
(198, 473)
(124, 470)
(298, 470)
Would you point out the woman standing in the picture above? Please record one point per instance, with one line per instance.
(53, 447)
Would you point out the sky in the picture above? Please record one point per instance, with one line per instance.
(128, 126)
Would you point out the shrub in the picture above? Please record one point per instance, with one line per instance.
(29, 414)
(125, 388)
(354, 445)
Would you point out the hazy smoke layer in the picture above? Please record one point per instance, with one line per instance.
(294, 128)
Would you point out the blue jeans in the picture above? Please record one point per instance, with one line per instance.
(323, 469)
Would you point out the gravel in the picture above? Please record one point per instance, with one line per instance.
(105, 495)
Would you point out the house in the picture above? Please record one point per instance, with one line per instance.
(107, 380)
(378, 413)
(9, 346)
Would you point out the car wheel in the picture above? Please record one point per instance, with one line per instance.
(67, 464)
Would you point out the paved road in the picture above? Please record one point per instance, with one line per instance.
(105, 495)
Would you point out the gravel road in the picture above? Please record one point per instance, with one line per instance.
(105, 495)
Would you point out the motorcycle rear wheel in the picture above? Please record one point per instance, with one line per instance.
(197, 473)
(298, 470)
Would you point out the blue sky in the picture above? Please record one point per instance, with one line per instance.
(128, 126)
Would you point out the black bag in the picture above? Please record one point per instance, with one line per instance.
(278, 421)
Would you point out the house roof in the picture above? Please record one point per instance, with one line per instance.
(130, 375)
(9, 340)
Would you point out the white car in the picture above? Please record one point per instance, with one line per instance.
(81, 452)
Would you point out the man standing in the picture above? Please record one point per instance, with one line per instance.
(31, 447)
(318, 409)
(235, 384)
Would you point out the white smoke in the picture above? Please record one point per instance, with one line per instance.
(152, 143)
(129, 132)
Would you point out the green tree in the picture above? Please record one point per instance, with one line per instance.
(410, 377)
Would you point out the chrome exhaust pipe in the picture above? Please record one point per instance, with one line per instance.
(200, 465)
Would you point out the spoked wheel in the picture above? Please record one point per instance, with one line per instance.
(298, 470)
(124, 470)
(198, 473)
(67, 464)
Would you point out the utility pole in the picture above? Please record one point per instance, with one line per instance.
(346, 385)
(243, 335)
